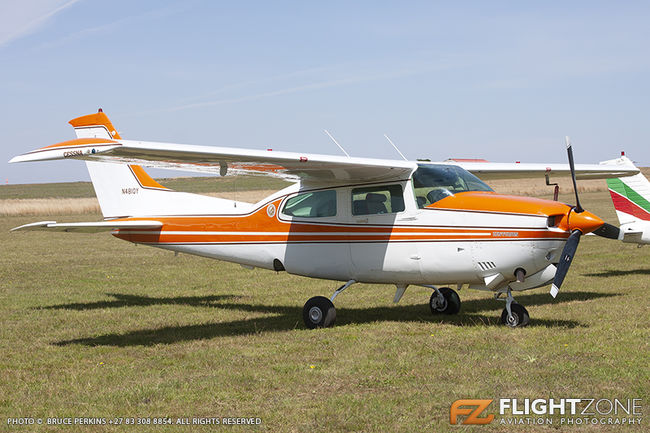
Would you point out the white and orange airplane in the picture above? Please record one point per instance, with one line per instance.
(345, 219)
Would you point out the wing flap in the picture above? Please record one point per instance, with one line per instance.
(89, 227)
(487, 171)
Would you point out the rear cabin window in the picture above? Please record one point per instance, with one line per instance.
(377, 200)
(313, 204)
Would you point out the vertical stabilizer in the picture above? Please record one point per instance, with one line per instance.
(127, 190)
(631, 198)
(96, 125)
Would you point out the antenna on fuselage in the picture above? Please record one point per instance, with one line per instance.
(393, 144)
(336, 142)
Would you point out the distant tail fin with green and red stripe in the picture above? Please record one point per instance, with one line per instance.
(631, 197)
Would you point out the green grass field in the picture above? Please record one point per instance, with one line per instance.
(96, 327)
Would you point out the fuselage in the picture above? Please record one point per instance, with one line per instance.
(380, 233)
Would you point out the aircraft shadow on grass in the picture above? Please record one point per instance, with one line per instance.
(284, 318)
(125, 300)
(619, 273)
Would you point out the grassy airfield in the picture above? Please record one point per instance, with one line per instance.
(96, 327)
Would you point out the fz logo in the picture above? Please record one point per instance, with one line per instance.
(472, 414)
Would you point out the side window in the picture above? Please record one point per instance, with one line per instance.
(377, 200)
(311, 204)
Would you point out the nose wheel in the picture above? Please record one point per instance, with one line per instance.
(519, 316)
(514, 315)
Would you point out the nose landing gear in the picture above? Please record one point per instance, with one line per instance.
(514, 315)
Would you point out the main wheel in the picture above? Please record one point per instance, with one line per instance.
(319, 312)
(520, 316)
(449, 305)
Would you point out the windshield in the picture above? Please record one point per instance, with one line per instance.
(433, 182)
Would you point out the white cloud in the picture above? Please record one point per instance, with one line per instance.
(19, 18)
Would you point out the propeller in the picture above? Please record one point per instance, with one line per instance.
(606, 230)
(568, 253)
(580, 222)
(578, 208)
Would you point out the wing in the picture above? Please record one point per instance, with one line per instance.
(98, 140)
(491, 171)
(223, 159)
(89, 227)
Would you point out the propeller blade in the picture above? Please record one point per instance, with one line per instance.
(608, 231)
(565, 261)
(569, 150)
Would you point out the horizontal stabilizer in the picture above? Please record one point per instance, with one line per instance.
(78, 148)
(89, 227)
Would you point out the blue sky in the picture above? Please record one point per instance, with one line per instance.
(503, 81)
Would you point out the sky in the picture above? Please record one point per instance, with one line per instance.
(499, 80)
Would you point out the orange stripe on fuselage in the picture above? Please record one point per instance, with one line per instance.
(162, 238)
(258, 227)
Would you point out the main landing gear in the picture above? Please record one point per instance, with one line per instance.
(319, 312)
(514, 315)
(444, 301)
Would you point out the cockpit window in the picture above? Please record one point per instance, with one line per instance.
(433, 182)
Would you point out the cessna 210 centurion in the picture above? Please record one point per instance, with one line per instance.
(345, 219)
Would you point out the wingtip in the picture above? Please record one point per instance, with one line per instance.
(32, 226)
(554, 290)
(15, 159)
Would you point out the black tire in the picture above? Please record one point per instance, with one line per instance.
(520, 316)
(451, 305)
(319, 312)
